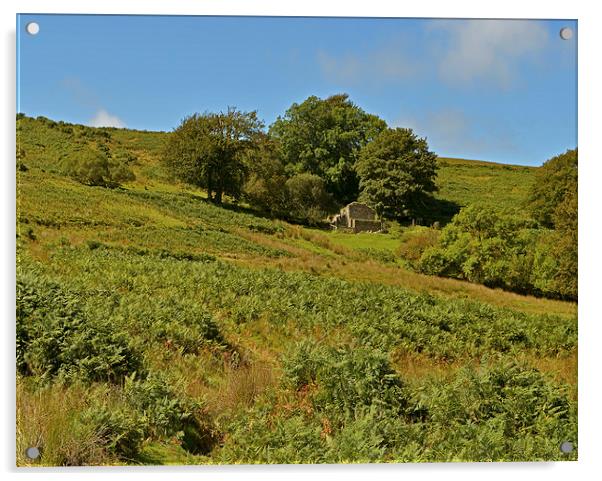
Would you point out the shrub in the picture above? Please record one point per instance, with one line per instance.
(120, 172)
(348, 380)
(169, 412)
(55, 338)
(92, 167)
(119, 430)
(485, 246)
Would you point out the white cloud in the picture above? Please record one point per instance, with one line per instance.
(488, 50)
(458, 52)
(105, 119)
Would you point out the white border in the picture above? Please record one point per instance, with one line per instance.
(589, 465)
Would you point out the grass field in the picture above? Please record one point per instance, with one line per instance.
(488, 184)
(276, 342)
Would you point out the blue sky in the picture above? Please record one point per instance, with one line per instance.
(498, 90)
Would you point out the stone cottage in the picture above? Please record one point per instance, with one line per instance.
(357, 217)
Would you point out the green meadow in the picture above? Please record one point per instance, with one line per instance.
(155, 327)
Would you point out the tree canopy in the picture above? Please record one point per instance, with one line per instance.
(208, 150)
(556, 179)
(323, 137)
(396, 170)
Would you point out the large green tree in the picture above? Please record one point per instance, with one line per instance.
(553, 202)
(209, 150)
(323, 137)
(396, 171)
(265, 187)
(554, 180)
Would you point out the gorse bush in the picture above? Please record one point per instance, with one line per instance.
(55, 338)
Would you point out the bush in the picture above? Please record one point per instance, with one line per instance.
(487, 247)
(169, 412)
(96, 168)
(55, 338)
(348, 380)
(118, 430)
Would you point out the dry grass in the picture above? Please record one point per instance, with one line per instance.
(48, 419)
(414, 366)
(241, 387)
(563, 367)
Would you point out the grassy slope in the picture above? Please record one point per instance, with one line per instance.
(152, 199)
(485, 183)
(59, 218)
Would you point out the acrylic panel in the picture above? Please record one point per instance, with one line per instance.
(295, 240)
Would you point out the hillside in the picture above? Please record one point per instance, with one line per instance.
(238, 311)
(489, 184)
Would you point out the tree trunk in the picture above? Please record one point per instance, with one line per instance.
(218, 196)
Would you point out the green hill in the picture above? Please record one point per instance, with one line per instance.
(273, 338)
(485, 183)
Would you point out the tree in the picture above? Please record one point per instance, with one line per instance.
(308, 200)
(555, 179)
(396, 170)
(565, 247)
(208, 150)
(486, 246)
(553, 202)
(93, 167)
(265, 187)
(323, 137)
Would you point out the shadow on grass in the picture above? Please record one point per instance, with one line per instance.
(431, 210)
